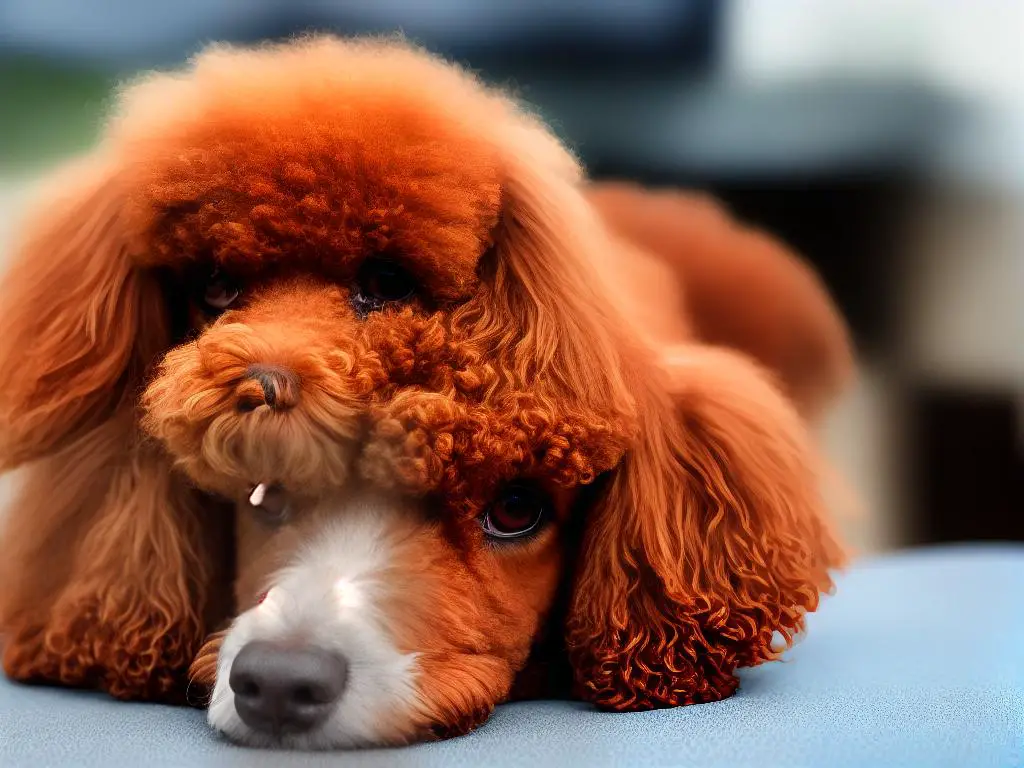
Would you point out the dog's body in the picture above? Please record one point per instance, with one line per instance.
(689, 270)
(466, 406)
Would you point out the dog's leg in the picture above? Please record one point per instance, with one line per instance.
(106, 570)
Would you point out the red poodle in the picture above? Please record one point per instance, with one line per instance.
(333, 376)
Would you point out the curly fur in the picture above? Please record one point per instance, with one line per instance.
(725, 547)
(563, 333)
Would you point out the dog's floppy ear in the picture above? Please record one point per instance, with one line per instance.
(708, 545)
(541, 309)
(80, 323)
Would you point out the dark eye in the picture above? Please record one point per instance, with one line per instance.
(219, 292)
(380, 282)
(518, 511)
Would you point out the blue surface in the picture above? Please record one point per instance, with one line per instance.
(917, 661)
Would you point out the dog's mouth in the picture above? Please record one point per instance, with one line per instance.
(270, 503)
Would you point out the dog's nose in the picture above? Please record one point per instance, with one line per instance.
(286, 690)
(268, 385)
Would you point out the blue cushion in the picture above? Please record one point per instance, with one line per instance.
(917, 661)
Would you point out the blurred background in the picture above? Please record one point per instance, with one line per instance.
(884, 139)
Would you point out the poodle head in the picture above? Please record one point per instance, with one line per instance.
(384, 349)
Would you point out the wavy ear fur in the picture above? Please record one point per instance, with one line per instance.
(108, 559)
(80, 323)
(710, 539)
(542, 309)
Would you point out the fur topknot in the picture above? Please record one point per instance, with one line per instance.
(241, 158)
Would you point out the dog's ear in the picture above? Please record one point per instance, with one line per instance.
(541, 309)
(708, 546)
(80, 323)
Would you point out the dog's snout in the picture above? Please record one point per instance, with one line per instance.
(286, 689)
(273, 386)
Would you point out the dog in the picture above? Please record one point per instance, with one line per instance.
(336, 382)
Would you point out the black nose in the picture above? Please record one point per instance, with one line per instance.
(286, 690)
(268, 385)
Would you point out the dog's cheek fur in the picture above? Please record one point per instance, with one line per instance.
(470, 613)
(447, 423)
(126, 607)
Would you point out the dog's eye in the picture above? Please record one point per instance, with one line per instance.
(380, 282)
(518, 511)
(385, 280)
(219, 292)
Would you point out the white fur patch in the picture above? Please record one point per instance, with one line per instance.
(328, 597)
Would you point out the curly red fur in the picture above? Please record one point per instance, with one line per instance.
(106, 566)
(246, 189)
(80, 323)
(525, 355)
(447, 422)
(709, 541)
(120, 604)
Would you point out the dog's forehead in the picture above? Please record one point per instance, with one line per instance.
(315, 167)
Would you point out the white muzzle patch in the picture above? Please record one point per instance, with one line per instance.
(328, 598)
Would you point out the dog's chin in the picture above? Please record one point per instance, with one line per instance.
(323, 738)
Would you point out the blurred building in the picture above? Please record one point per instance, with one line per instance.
(882, 138)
